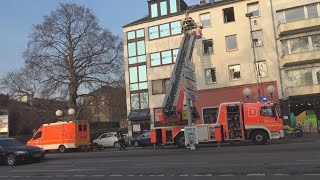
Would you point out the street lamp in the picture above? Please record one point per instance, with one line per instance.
(71, 112)
(247, 92)
(271, 89)
(249, 16)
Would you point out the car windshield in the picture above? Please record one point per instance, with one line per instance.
(10, 143)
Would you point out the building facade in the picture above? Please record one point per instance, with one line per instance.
(297, 28)
(226, 58)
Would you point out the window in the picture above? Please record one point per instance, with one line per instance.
(257, 38)
(164, 30)
(135, 34)
(267, 112)
(295, 14)
(228, 15)
(254, 8)
(173, 6)
(315, 42)
(84, 127)
(210, 115)
(37, 135)
(318, 77)
(205, 20)
(139, 101)
(138, 78)
(163, 8)
(207, 47)
(153, 32)
(132, 50)
(131, 35)
(234, 71)
(141, 48)
(140, 33)
(176, 28)
(231, 42)
(299, 45)
(312, 11)
(210, 75)
(285, 49)
(154, 10)
(80, 127)
(262, 68)
(166, 57)
(160, 86)
(155, 59)
(175, 54)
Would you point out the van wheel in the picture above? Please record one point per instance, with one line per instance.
(62, 149)
(11, 160)
(180, 141)
(259, 137)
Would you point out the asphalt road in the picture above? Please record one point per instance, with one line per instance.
(275, 161)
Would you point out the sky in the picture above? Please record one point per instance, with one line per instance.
(17, 18)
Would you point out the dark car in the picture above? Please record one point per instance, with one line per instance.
(142, 139)
(13, 152)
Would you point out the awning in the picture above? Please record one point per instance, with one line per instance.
(139, 115)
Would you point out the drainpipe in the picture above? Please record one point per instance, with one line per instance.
(278, 58)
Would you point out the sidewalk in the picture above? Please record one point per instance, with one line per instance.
(307, 137)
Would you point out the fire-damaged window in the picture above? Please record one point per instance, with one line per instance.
(211, 75)
(228, 15)
(234, 71)
(207, 47)
(210, 115)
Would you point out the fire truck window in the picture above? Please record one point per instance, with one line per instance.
(210, 115)
(267, 111)
(80, 127)
(84, 127)
(37, 135)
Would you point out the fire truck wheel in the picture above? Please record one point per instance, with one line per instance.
(62, 149)
(259, 137)
(180, 141)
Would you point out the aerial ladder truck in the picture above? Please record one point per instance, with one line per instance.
(236, 121)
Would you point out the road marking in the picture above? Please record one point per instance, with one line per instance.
(281, 175)
(202, 175)
(153, 164)
(256, 174)
(3, 176)
(184, 175)
(80, 175)
(311, 174)
(130, 175)
(115, 175)
(61, 176)
(97, 175)
(156, 175)
(56, 170)
(226, 175)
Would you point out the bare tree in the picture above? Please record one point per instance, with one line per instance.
(71, 53)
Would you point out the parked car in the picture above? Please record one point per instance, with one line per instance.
(13, 152)
(108, 140)
(142, 139)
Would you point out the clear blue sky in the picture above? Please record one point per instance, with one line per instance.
(18, 16)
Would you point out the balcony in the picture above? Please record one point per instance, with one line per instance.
(300, 25)
(300, 58)
(302, 90)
